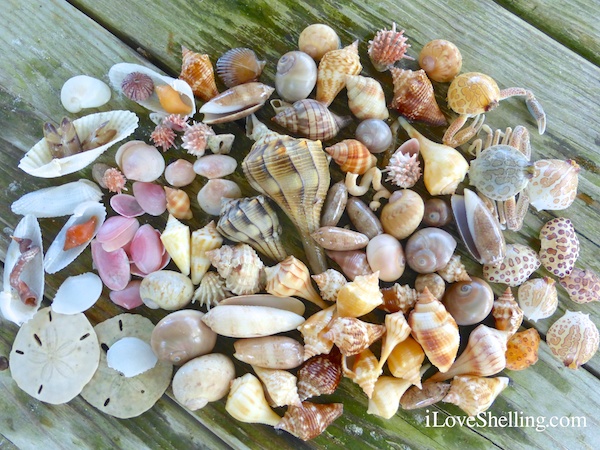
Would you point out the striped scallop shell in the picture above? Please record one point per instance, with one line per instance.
(309, 420)
(414, 97)
(238, 66)
(332, 71)
(197, 71)
(366, 99)
(178, 203)
(352, 156)
(387, 47)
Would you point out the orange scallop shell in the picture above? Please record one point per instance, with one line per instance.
(197, 71)
(332, 71)
(414, 97)
(352, 156)
(238, 66)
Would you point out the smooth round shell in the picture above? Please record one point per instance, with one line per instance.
(473, 93)
(403, 213)
(517, 265)
(139, 161)
(317, 39)
(429, 249)
(215, 166)
(296, 76)
(437, 213)
(469, 302)
(441, 60)
(166, 289)
(209, 197)
(83, 91)
(385, 254)
(180, 173)
(374, 134)
(573, 339)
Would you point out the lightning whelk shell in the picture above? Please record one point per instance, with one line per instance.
(538, 298)
(236, 103)
(414, 97)
(280, 386)
(270, 352)
(313, 331)
(332, 71)
(197, 71)
(473, 394)
(246, 402)
(291, 278)
(366, 99)
(240, 266)
(573, 339)
(352, 335)
(239, 66)
(309, 420)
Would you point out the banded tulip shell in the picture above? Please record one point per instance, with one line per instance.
(559, 247)
(309, 420)
(386, 396)
(239, 66)
(294, 173)
(554, 184)
(365, 371)
(427, 395)
(435, 330)
(352, 335)
(538, 298)
(320, 375)
(397, 330)
(403, 213)
(469, 302)
(518, 264)
(508, 316)
(332, 71)
(431, 281)
(444, 168)
(280, 386)
(454, 271)
(313, 331)
(484, 355)
(522, 349)
(240, 266)
(335, 204)
(583, 286)
(386, 257)
(291, 278)
(211, 290)
(337, 238)
(429, 249)
(296, 76)
(177, 241)
(359, 297)
(270, 352)
(317, 39)
(178, 203)
(236, 103)
(203, 240)
(473, 394)
(253, 221)
(441, 60)
(414, 97)
(573, 339)
(352, 156)
(405, 361)
(309, 118)
(197, 71)
(387, 47)
(246, 402)
(329, 282)
(398, 298)
(366, 99)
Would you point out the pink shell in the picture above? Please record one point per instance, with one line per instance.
(126, 205)
(146, 249)
(180, 173)
(116, 232)
(151, 197)
(129, 297)
(113, 267)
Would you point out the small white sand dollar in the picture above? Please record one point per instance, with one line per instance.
(77, 294)
(131, 356)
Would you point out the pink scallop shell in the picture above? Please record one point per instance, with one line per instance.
(151, 197)
(113, 267)
(147, 249)
(126, 205)
(129, 297)
(116, 232)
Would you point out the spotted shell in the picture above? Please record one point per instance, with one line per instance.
(473, 93)
(238, 66)
(538, 298)
(352, 156)
(332, 71)
(320, 375)
(573, 339)
(366, 99)
(583, 286)
(309, 420)
(559, 246)
(522, 349)
(414, 97)
(554, 185)
(197, 71)
(507, 313)
(387, 47)
(517, 266)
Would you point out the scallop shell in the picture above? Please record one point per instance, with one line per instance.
(475, 395)
(352, 156)
(246, 402)
(39, 162)
(538, 298)
(554, 185)
(366, 99)
(313, 331)
(352, 335)
(365, 371)
(291, 278)
(405, 361)
(398, 298)
(203, 240)
(280, 386)
(83, 91)
(583, 286)
(441, 60)
(177, 241)
(507, 313)
(240, 266)
(573, 339)
(178, 203)
(239, 66)
(253, 221)
(118, 72)
(211, 290)
(197, 71)
(516, 267)
(559, 247)
(236, 103)
(387, 47)
(329, 283)
(270, 352)
(435, 329)
(522, 349)
(320, 375)
(332, 71)
(309, 420)
(359, 297)
(429, 394)
(414, 97)
(385, 400)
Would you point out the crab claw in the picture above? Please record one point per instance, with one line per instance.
(536, 110)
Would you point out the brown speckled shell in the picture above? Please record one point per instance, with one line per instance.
(522, 349)
(309, 420)
(507, 313)
(329, 283)
(559, 246)
(516, 267)
(554, 186)
(414, 97)
(332, 71)
(538, 298)
(352, 156)
(398, 298)
(573, 339)
(583, 286)
(197, 71)
(320, 375)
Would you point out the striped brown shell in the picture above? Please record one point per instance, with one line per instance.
(320, 375)
(197, 71)
(414, 97)
(352, 156)
(309, 420)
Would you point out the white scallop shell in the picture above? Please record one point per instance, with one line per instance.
(39, 161)
(77, 294)
(131, 356)
(56, 201)
(82, 91)
(119, 71)
(11, 306)
(56, 258)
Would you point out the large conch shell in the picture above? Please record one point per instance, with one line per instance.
(332, 71)
(365, 98)
(291, 278)
(295, 174)
(414, 97)
(473, 394)
(444, 168)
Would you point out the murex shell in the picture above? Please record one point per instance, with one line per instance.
(387, 47)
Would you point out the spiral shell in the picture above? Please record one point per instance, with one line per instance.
(240, 266)
(441, 60)
(296, 76)
(178, 203)
(516, 267)
(320, 375)
(522, 349)
(359, 297)
(554, 184)
(387, 47)
(239, 66)
(313, 331)
(507, 313)
(375, 134)
(332, 71)
(386, 257)
(402, 214)
(246, 402)
(280, 386)
(352, 156)
(352, 335)
(366, 99)
(559, 247)
(211, 290)
(538, 298)
(398, 298)
(583, 286)
(437, 213)
(414, 97)
(573, 339)
(429, 250)
(329, 282)
(203, 240)
(197, 71)
(454, 271)
(291, 278)
(365, 371)
(470, 301)
(473, 394)
(406, 359)
(309, 420)
(352, 262)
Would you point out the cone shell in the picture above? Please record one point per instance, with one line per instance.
(538, 298)
(320, 375)
(365, 371)
(352, 156)
(507, 313)
(238, 66)
(313, 331)
(366, 99)
(405, 361)
(177, 241)
(211, 290)
(178, 203)
(197, 71)
(559, 248)
(435, 329)
(475, 395)
(387, 47)
(352, 335)
(309, 420)
(332, 71)
(427, 395)
(280, 386)
(583, 286)
(329, 282)
(522, 349)
(291, 278)
(203, 240)
(414, 97)
(360, 296)
(483, 356)
(398, 298)
(385, 399)
(516, 267)
(246, 402)
(240, 266)
(573, 339)
(554, 184)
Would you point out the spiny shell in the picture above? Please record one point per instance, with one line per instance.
(507, 313)
(238, 66)
(337, 238)
(320, 375)
(352, 156)
(236, 103)
(240, 266)
(475, 395)
(352, 335)
(469, 302)
(398, 298)
(404, 168)
(329, 283)
(195, 139)
(516, 267)
(210, 291)
(583, 286)
(178, 203)
(360, 296)
(253, 221)
(401, 216)
(435, 329)
(246, 402)
(406, 359)
(270, 352)
(280, 386)
(313, 331)
(414, 97)
(365, 370)
(197, 71)
(522, 349)
(387, 47)
(317, 39)
(429, 394)
(559, 248)
(332, 71)
(309, 420)
(573, 339)
(554, 185)
(366, 99)
(431, 281)
(454, 271)
(538, 298)
(296, 76)
(441, 60)
(291, 278)
(429, 249)
(203, 240)
(385, 400)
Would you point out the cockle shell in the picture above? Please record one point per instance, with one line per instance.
(332, 71)
(335, 204)
(470, 301)
(398, 298)
(435, 330)
(454, 271)
(538, 298)
(166, 289)
(554, 185)
(178, 203)
(211, 196)
(431, 281)
(317, 39)
(427, 395)
(375, 134)
(403, 213)
(522, 349)
(386, 257)
(236, 103)
(177, 241)
(583, 286)
(246, 321)
(289, 278)
(239, 66)
(363, 218)
(313, 331)
(518, 264)
(559, 247)
(203, 240)
(366, 99)
(508, 316)
(309, 420)
(359, 297)
(473, 394)
(484, 355)
(573, 339)
(197, 71)
(406, 359)
(253, 221)
(352, 156)
(441, 60)
(320, 375)
(329, 282)
(352, 335)
(414, 97)
(387, 47)
(270, 352)
(397, 330)
(211, 290)
(240, 266)
(365, 370)
(140, 161)
(337, 238)
(83, 91)
(385, 399)
(296, 76)
(280, 386)
(40, 162)
(404, 167)
(429, 249)
(444, 167)
(246, 402)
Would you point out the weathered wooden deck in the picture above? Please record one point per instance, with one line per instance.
(548, 46)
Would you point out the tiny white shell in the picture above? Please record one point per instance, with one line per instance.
(131, 356)
(77, 294)
(56, 201)
(83, 91)
(39, 162)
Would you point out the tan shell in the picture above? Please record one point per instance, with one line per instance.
(429, 249)
(309, 420)
(365, 370)
(313, 331)
(403, 213)
(522, 349)
(366, 99)
(177, 241)
(469, 302)
(246, 402)
(236, 103)
(203, 240)
(398, 298)
(559, 248)
(317, 39)
(507, 313)
(516, 267)
(414, 97)
(352, 335)
(583, 286)
(240, 266)
(352, 262)
(238, 66)
(387, 47)
(332, 71)
(538, 298)
(329, 283)
(352, 156)
(197, 71)
(385, 399)
(211, 290)
(359, 297)
(473, 394)
(280, 386)
(270, 352)
(431, 281)
(554, 184)
(573, 339)
(178, 203)
(320, 375)
(397, 330)
(454, 271)
(406, 359)
(166, 289)
(441, 60)
(429, 394)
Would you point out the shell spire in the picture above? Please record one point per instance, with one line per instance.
(414, 97)
(352, 156)
(197, 71)
(309, 420)
(387, 47)
(320, 375)
(332, 71)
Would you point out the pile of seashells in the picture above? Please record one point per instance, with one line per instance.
(219, 267)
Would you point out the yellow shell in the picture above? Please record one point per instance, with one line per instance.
(360, 296)
(397, 330)
(441, 60)
(352, 335)
(238, 66)
(246, 402)
(313, 331)
(573, 339)
(203, 240)
(414, 97)
(291, 278)
(406, 359)
(240, 266)
(280, 386)
(522, 349)
(197, 71)
(309, 420)
(178, 203)
(177, 242)
(473, 93)
(332, 71)
(330, 282)
(317, 39)
(507, 314)
(366, 99)
(474, 394)
(365, 371)
(385, 399)
(352, 156)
